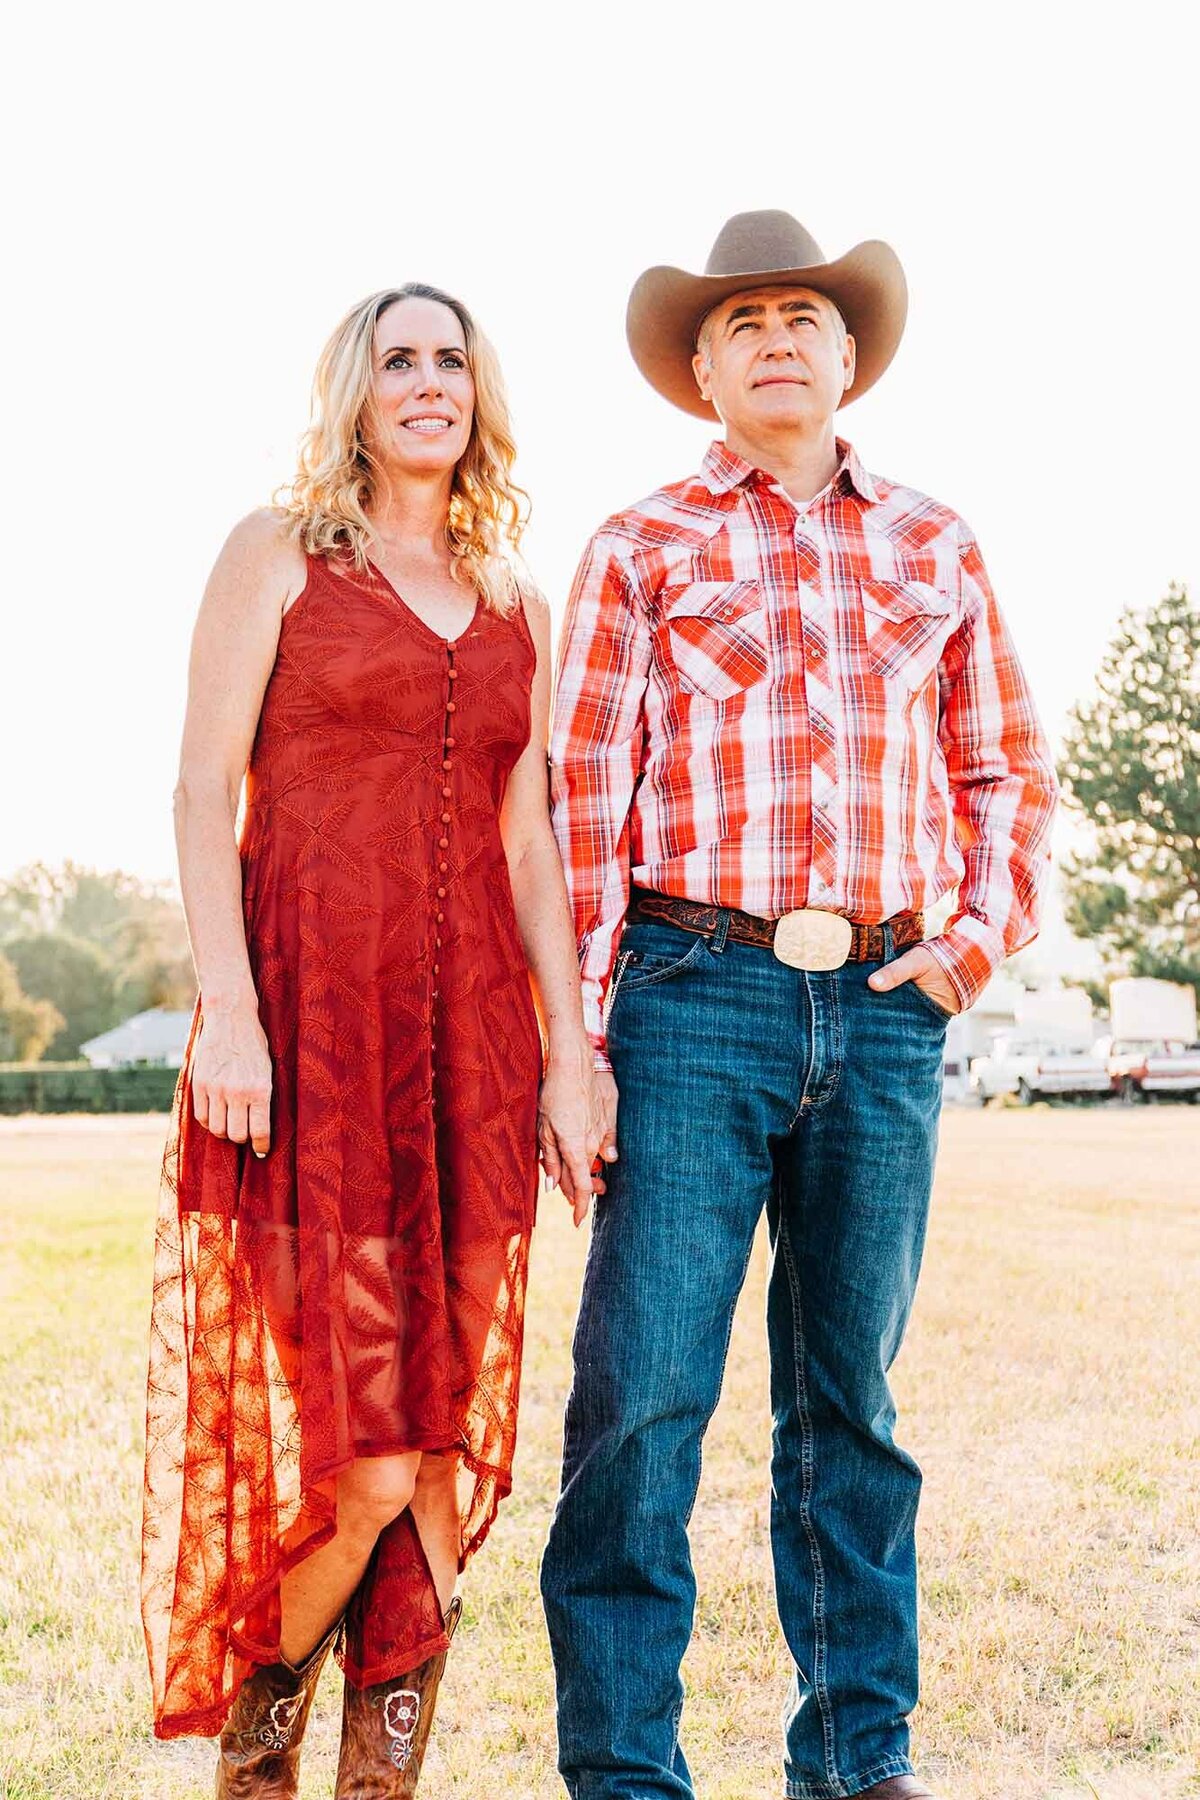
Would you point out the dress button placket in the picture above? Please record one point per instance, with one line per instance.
(443, 840)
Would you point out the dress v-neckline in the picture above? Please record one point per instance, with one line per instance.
(398, 597)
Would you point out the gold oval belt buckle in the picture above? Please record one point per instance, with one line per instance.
(813, 940)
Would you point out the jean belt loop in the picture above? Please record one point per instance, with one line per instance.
(889, 947)
(716, 942)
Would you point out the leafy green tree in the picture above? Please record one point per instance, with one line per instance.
(75, 977)
(26, 1026)
(157, 974)
(1131, 766)
(30, 900)
(137, 927)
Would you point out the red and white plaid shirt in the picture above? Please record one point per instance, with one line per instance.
(769, 705)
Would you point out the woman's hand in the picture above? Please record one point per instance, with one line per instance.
(576, 1124)
(231, 1078)
(921, 966)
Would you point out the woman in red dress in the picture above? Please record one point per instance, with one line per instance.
(351, 1179)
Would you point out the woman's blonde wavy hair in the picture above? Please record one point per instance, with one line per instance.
(329, 500)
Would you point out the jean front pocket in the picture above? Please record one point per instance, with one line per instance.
(714, 633)
(648, 957)
(935, 1006)
(905, 625)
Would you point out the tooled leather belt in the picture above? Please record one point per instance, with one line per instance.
(808, 939)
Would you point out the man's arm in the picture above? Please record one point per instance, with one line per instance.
(1002, 785)
(595, 755)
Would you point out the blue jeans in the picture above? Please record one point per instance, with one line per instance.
(745, 1084)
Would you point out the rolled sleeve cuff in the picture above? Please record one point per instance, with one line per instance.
(593, 1019)
(969, 951)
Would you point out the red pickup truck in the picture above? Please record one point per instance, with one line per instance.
(1154, 1070)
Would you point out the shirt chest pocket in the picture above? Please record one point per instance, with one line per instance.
(713, 635)
(905, 625)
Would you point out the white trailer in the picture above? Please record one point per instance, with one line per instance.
(1149, 1011)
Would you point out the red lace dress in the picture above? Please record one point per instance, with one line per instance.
(361, 1290)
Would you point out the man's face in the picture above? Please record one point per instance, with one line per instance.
(774, 359)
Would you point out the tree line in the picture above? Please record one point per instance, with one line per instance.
(79, 952)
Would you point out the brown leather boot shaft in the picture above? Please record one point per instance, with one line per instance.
(385, 1730)
(259, 1756)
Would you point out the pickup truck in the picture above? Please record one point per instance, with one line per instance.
(1152, 1069)
(1034, 1069)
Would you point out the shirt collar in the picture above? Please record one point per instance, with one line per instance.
(852, 474)
(723, 470)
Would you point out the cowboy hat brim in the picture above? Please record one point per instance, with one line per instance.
(666, 306)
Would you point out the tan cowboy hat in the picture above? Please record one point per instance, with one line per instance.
(765, 249)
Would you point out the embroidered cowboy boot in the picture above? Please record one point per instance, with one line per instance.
(260, 1746)
(385, 1730)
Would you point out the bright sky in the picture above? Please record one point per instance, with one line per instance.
(201, 193)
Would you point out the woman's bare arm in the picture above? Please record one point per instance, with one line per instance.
(570, 1128)
(256, 577)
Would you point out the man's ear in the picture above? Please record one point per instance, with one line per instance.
(700, 369)
(849, 361)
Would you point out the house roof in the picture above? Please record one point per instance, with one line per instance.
(159, 1035)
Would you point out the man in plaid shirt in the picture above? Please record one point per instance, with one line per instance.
(789, 719)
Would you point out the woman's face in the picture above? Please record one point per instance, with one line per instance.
(424, 390)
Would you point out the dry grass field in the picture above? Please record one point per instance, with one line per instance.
(1049, 1387)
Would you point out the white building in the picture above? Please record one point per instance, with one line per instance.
(158, 1038)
